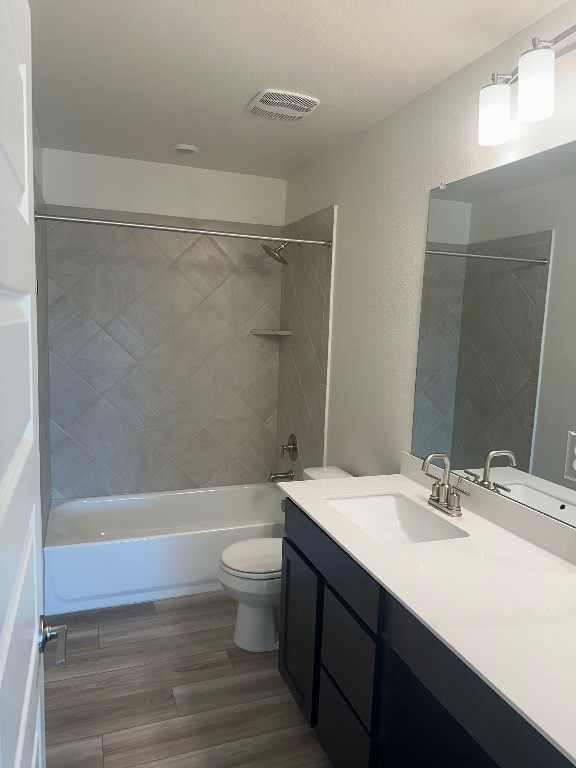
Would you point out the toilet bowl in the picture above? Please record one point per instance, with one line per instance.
(251, 572)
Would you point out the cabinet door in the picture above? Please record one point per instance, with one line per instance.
(299, 630)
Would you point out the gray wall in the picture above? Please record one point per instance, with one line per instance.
(43, 375)
(500, 344)
(438, 345)
(306, 288)
(381, 182)
(156, 382)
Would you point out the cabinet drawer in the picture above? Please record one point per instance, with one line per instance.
(339, 732)
(349, 580)
(349, 654)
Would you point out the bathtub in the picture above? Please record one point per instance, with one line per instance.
(115, 550)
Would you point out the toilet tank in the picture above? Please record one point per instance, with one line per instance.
(324, 473)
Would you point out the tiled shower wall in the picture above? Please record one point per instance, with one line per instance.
(481, 332)
(437, 369)
(305, 311)
(500, 344)
(156, 382)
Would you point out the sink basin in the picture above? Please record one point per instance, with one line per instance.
(394, 519)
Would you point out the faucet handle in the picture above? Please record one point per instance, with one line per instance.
(434, 477)
(474, 475)
(460, 490)
(499, 487)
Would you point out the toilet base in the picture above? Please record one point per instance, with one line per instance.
(256, 628)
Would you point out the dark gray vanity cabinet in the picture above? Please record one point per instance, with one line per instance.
(379, 688)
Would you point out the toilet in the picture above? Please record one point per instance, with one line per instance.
(251, 572)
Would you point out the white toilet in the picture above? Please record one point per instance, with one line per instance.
(251, 572)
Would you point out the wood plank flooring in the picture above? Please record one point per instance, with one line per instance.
(162, 685)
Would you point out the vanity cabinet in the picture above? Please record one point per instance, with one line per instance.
(379, 688)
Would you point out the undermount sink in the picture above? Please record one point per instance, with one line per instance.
(393, 519)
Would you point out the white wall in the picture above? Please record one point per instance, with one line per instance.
(541, 207)
(119, 184)
(381, 182)
(449, 222)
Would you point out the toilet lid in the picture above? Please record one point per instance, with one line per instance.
(259, 557)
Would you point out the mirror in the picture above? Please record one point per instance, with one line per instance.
(497, 349)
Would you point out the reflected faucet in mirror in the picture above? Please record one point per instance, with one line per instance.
(486, 482)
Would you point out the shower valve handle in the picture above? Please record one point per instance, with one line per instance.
(291, 447)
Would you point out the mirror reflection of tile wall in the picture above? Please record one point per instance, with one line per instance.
(479, 351)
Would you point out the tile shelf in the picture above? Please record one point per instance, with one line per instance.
(269, 332)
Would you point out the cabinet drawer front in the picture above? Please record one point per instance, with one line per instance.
(349, 654)
(349, 580)
(344, 740)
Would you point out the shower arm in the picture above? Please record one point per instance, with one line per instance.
(182, 230)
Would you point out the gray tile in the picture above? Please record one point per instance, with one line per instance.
(234, 472)
(514, 310)
(70, 462)
(172, 297)
(242, 295)
(53, 291)
(102, 430)
(484, 396)
(138, 329)
(489, 338)
(205, 393)
(236, 362)
(205, 332)
(261, 392)
(234, 424)
(174, 244)
(203, 457)
(259, 453)
(509, 372)
(171, 363)
(138, 260)
(69, 328)
(101, 362)
(138, 396)
(101, 294)
(70, 395)
(442, 391)
(205, 265)
(503, 429)
(171, 427)
(137, 461)
(68, 255)
(101, 481)
(170, 478)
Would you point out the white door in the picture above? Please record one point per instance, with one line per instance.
(21, 671)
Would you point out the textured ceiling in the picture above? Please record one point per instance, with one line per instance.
(130, 78)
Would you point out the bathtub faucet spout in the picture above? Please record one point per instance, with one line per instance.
(279, 477)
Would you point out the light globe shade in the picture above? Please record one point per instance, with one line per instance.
(494, 115)
(536, 85)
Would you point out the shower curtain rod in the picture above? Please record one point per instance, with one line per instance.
(484, 256)
(183, 230)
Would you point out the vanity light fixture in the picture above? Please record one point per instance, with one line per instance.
(494, 116)
(536, 82)
(535, 78)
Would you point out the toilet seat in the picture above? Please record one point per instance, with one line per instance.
(253, 559)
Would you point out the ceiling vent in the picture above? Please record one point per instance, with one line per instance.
(282, 105)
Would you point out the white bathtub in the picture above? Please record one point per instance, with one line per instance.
(117, 550)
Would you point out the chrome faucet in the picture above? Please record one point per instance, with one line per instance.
(444, 496)
(280, 477)
(486, 482)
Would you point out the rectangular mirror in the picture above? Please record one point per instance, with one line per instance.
(497, 350)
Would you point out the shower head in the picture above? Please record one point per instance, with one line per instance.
(276, 253)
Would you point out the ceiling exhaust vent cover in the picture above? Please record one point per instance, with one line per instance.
(282, 105)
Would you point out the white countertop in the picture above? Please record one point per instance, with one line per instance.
(506, 607)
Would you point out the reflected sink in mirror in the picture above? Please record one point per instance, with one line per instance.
(394, 519)
(544, 502)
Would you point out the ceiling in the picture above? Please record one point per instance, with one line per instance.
(130, 78)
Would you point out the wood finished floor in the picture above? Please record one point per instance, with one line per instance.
(162, 685)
